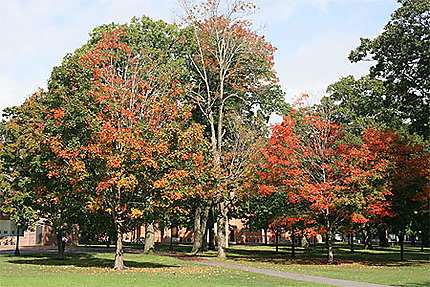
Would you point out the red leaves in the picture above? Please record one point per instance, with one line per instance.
(309, 158)
(358, 218)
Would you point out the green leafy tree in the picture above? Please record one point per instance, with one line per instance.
(357, 104)
(402, 56)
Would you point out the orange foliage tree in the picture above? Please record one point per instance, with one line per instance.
(142, 150)
(309, 159)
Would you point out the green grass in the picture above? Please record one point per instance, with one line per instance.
(380, 265)
(95, 269)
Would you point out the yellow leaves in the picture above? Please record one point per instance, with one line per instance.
(136, 213)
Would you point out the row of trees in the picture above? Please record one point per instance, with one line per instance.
(150, 124)
(358, 162)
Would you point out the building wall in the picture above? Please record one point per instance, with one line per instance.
(40, 236)
(238, 234)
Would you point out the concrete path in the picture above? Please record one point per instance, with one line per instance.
(287, 275)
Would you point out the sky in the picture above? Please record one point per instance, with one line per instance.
(313, 37)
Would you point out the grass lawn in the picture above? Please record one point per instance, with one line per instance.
(95, 269)
(379, 265)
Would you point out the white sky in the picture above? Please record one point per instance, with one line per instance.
(313, 37)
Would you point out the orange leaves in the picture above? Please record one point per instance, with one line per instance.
(358, 218)
(114, 161)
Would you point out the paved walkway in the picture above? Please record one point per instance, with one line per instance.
(287, 275)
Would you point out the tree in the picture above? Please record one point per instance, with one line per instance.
(357, 104)
(402, 54)
(232, 68)
(409, 182)
(26, 155)
(137, 133)
(17, 200)
(308, 159)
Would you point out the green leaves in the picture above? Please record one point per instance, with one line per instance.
(402, 56)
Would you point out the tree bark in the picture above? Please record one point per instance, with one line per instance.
(367, 237)
(330, 258)
(422, 241)
(426, 237)
(351, 242)
(162, 233)
(119, 252)
(221, 232)
(227, 231)
(17, 252)
(200, 221)
(383, 236)
(277, 240)
(171, 237)
(211, 230)
(149, 238)
(265, 236)
(205, 243)
(402, 244)
(60, 246)
(293, 244)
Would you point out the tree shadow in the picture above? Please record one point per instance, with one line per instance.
(317, 256)
(83, 260)
(416, 284)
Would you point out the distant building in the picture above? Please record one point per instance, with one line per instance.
(40, 236)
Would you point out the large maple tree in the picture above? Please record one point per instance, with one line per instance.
(334, 180)
(140, 136)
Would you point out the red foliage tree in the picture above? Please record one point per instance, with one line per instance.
(334, 180)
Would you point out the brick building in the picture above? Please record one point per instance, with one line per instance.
(39, 236)
(238, 234)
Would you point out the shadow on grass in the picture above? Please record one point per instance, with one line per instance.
(82, 260)
(317, 256)
(415, 284)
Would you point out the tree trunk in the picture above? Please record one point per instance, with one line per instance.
(200, 221)
(293, 244)
(265, 236)
(402, 244)
(149, 238)
(205, 243)
(351, 242)
(162, 233)
(383, 236)
(330, 259)
(367, 237)
(227, 230)
(60, 245)
(17, 252)
(277, 240)
(422, 241)
(221, 232)
(211, 230)
(304, 241)
(119, 252)
(299, 242)
(426, 237)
